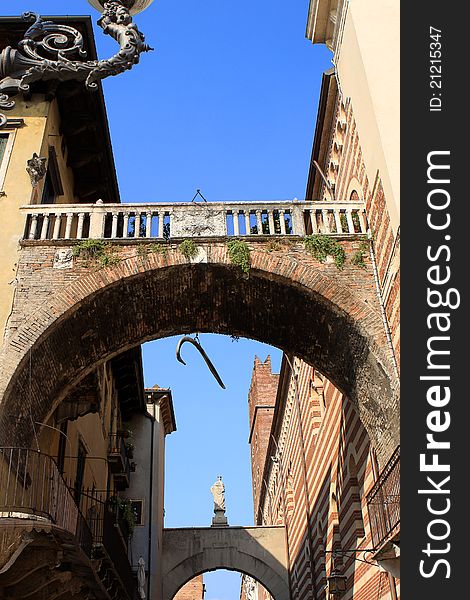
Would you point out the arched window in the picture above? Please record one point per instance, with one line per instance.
(354, 491)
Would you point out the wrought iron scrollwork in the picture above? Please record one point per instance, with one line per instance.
(51, 51)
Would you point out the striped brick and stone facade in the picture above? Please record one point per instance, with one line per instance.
(337, 150)
(193, 590)
(312, 473)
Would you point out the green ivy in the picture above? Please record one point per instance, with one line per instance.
(155, 247)
(358, 258)
(96, 250)
(188, 249)
(273, 246)
(239, 254)
(321, 246)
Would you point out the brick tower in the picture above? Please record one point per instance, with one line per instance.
(261, 401)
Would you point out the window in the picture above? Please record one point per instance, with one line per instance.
(6, 145)
(81, 458)
(52, 184)
(3, 145)
(138, 510)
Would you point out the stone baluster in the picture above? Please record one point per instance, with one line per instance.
(81, 219)
(259, 222)
(125, 226)
(236, 224)
(97, 217)
(161, 218)
(33, 227)
(326, 223)
(68, 226)
(362, 220)
(114, 225)
(137, 225)
(247, 222)
(337, 215)
(272, 229)
(148, 224)
(45, 226)
(57, 222)
(350, 220)
(282, 221)
(313, 220)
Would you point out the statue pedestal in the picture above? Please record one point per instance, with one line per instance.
(219, 519)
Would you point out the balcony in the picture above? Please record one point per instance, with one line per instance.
(118, 460)
(383, 504)
(160, 221)
(41, 521)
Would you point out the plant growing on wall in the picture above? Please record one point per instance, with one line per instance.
(155, 248)
(321, 246)
(95, 250)
(239, 254)
(358, 258)
(188, 249)
(124, 511)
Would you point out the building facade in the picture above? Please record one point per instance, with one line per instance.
(313, 471)
(81, 506)
(357, 144)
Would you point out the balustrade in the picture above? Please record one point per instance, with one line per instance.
(186, 220)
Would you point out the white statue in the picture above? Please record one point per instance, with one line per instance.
(218, 492)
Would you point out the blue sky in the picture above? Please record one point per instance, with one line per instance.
(226, 103)
(211, 437)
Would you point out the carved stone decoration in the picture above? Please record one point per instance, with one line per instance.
(47, 49)
(63, 259)
(36, 167)
(198, 220)
(250, 587)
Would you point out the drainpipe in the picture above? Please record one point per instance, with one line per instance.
(149, 554)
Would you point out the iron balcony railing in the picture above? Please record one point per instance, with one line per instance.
(118, 460)
(111, 531)
(383, 502)
(31, 486)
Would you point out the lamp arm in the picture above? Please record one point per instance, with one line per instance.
(31, 62)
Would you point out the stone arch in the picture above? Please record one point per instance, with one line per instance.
(290, 301)
(259, 552)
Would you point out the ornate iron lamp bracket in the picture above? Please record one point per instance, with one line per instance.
(46, 51)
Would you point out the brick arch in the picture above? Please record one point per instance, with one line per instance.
(288, 301)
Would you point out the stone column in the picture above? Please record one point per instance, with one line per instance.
(236, 225)
(56, 232)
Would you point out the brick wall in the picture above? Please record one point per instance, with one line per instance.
(345, 168)
(66, 321)
(318, 487)
(193, 590)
